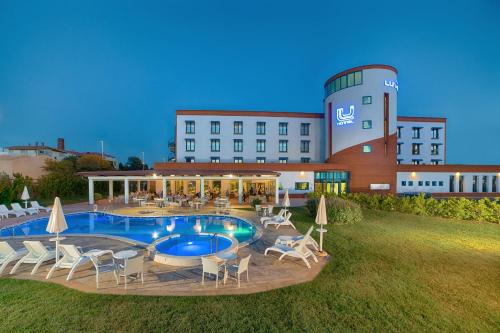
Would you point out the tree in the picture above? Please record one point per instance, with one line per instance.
(92, 163)
(134, 163)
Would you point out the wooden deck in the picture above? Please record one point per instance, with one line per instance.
(266, 272)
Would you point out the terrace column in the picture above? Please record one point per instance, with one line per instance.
(91, 191)
(457, 183)
(126, 189)
(138, 185)
(110, 186)
(240, 190)
(277, 191)
(164, 187)
(202, 187)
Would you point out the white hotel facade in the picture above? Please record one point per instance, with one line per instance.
(359, 143)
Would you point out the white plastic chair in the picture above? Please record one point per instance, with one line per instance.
(301, 251)
(17, 208)
(279, 223)
(277, 217)
(270, 210)
(210, 266)
(37, 254)
(239, 269)
(104, 267)
(72, 258)
(4, 211)
(36, 205)
(132, 266)
(8, 255)
(258, 209)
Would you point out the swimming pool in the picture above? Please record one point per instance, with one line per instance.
(140, 229)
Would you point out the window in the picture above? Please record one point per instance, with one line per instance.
(189, 159)
(190, 146)
(420, 183)
(302, 186)
(474, 183)
(238, 160)
(435, 162)
(214, 159)
(304, 129)
(399, 161)
(494, 184)
(427, 183)
(367, 148)
(215, 127)
(485, 184)
(367, 124)
(261, 128)
(238, 127)
(441, 183)
(350, 79)
(452, 183)
(283, 159)
(214, 145)
(415, 148)
(398, 151)
(189, 127)
(434, 149)
(416, 162)
(305, 160)
(366, 100)
(238, 145)
(400, 128)
(304, 146)
(283, 128)
(358, 78)
(434, 183)
(410, 183)
(403, 183)
(283, 146)
(261, 160)
(345, 81)
(435, 132)
(261, 146)
(416, 132)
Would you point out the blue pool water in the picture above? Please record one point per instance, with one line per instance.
(193, 245)
(142, 229)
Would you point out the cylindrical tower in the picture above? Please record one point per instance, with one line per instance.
(361, 125)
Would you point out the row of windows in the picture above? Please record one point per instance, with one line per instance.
(475, 183)
(416, 148)
(238, 145)
(238, 128)
(344, 81)
(422, 183)
(239, 159)
(419, 161)
(417, 131)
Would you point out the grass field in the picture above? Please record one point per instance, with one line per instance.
(393, 272)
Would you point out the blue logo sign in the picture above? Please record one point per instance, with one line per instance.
(345, 118)
(394, 84)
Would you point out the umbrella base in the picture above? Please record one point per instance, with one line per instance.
(322, 254)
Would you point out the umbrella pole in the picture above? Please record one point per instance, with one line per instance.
(57, 246)
(25, 204)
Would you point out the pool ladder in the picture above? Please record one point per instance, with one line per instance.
(216, 243)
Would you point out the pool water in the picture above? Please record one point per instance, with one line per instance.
(142, 229)
(193, 245)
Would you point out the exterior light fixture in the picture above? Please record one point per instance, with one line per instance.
(457, 174)
(172, 175)
(302, 173)
(413, 175)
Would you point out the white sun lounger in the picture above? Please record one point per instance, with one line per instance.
(4, 211)
(295, 240)
(278, 217)
(37, 254)
(301, 251)
(36, 205)
(17, 207)
(278, 224)
(72, 258)
(8, 255)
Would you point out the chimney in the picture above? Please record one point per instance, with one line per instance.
(60, 143)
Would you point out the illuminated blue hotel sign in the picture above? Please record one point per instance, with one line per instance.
(345, 117)
(390, 83)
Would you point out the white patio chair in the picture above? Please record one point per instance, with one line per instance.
(258, 209)
(37, 206)
(210, 266)
(104, 267)
(279, 223)
(295, 240)
(17, 207)
(37, 254)
(8, 255)
(72, 258)
(130, 267)
(239, 269)
(301, 251)
(4, 211)
(270, 210)
(277, 217)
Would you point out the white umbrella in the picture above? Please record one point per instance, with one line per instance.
(321, 219)
(57, 223)
(25, 196)
(286, 200)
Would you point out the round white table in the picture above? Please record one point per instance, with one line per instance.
(125, 254)
(225, 257)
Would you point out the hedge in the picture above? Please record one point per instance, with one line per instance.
(338, 210)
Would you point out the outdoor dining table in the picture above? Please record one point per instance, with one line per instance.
(197, 204)
(226, 257)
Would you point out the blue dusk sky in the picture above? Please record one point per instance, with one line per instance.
(118, 70)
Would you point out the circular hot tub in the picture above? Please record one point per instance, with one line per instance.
(187, 250)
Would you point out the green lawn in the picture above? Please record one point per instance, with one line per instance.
(393, 272)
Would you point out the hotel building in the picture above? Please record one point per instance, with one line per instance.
(358, 143)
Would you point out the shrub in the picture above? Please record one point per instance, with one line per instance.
(97, 196)
(256, 201)
(338, 210)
